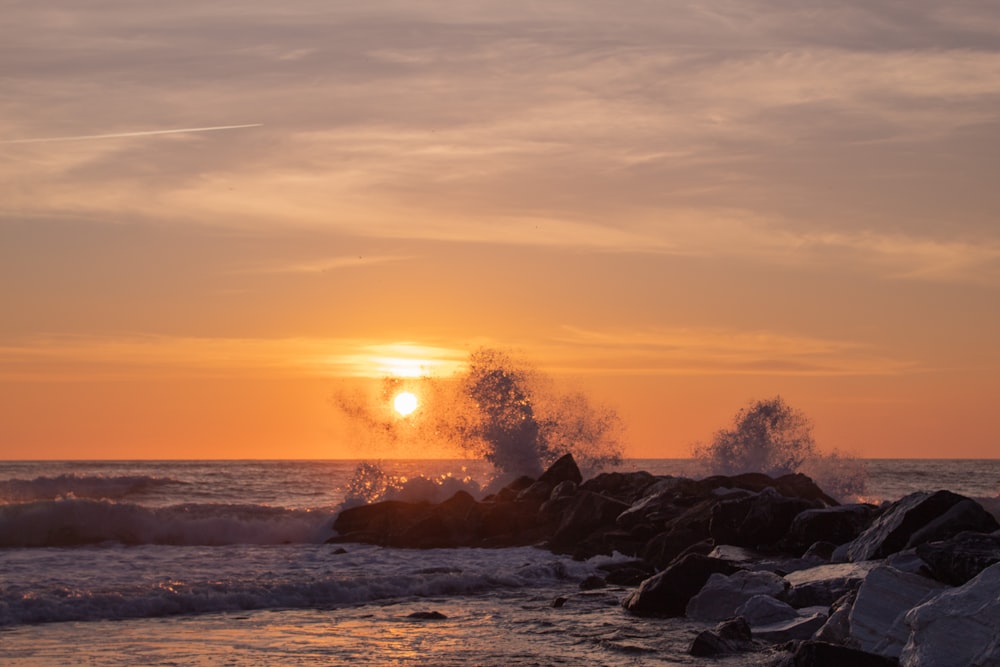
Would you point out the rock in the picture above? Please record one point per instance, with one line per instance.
(824, 654)
(657, 505)
(825, 584)
(732, 636)
(884, 598)
(820, 551)
(631, 573)
(559, 602)
(761, 520)
(802, 626)
(894, 529)
(428, 615)
(588, 513)
(837, 628)
(537, 493)
(763, 610)
(627, 487)
(722, 594)
(593, 582)
(965, 515)
(564, 489)
(836, 525)
(563, 470)
(667, 593)
(958, 628)
(959, 559)
(680, 533)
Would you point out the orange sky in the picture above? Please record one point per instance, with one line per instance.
(214, 217)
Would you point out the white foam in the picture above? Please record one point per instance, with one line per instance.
(92, 583)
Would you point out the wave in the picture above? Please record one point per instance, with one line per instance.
(364, 576)
(81, 486)
(74, 521)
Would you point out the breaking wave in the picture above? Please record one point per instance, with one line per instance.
(81, 486)
(74, 521)
(265, 580)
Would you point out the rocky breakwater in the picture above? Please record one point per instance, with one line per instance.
(778, 564)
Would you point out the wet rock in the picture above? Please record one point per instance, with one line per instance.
(835, 525)
(565, 489)
(761, 520)
(722, 594)
(959, 627)
(895, 528)
(667, 593)
(536, 494)
(761, 610)
(824, 654)
(588, 513)
(559, 602)
(959, 559)
(628, 487)
(732, 636)
(837, 628)
(820, 551)
(629, 573)
(965, 515)
(884, 598)
(427, 616)
(563, 470)
(802, 626)
(592, 583)
(825, 584)
(658, 504)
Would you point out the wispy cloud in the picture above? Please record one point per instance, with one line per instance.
(129, 135)
(319, 266)
(79, 358)
(716, 351)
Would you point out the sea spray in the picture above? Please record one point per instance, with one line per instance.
(771, 437)
(500, 409)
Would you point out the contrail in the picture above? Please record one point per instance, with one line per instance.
(119, 135)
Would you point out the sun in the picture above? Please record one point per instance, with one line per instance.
(405, 403)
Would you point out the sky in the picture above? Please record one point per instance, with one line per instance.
(216, 216)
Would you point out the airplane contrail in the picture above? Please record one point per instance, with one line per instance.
(119, 135)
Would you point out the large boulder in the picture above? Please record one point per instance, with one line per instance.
(825, 584)
(563, 470)
(667, 593)
(802, 626)
(825, 654)
(627, 487)
(761, 520)
(885, 597)
(915, 515)
(722, 594)
(587, 514)
(958, 628)
(732, 636)
(959, 559)
(836, 525)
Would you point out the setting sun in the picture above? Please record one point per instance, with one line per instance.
(405, 403)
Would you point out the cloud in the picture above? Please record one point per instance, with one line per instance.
(717, 351)
(128, 135)
(77, 358)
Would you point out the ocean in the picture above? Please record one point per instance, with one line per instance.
(224, 563)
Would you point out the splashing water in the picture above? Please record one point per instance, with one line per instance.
(771, 437)
(500, 410)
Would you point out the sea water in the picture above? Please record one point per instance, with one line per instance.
(224, 562)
